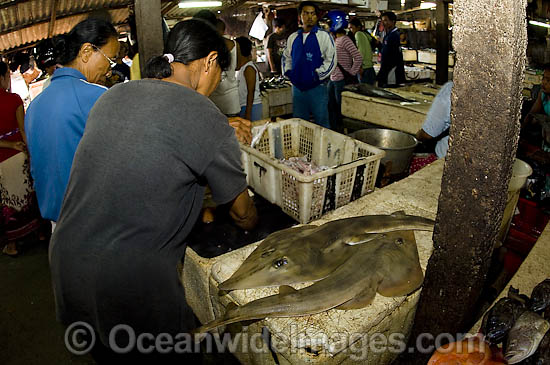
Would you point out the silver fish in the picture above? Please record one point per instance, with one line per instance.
(388, 265)
(525, 336)
(311, 253)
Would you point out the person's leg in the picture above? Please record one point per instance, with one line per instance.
(256, 114)
(318, 101)
(332, 104)
(300, 104)
(338, 88)
(369, 76)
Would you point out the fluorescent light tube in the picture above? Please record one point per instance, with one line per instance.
(428, 5)
(199, 4)
(540, 24)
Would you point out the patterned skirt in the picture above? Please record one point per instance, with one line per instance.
(20, 215)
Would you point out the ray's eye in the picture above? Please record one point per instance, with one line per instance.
(399, 241)
(280, 262)
(268, 252)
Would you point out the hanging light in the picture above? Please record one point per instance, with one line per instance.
(199, 4)
(428, 5)
(540, 24)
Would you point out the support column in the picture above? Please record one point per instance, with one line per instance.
(149, 30)
(442, 42)
(490, 38)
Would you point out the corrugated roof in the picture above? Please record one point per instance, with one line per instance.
(24, 22)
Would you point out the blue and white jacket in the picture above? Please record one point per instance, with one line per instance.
(307, 62)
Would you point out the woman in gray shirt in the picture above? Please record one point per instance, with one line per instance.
(136, 189)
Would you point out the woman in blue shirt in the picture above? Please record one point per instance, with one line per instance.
(56, 119)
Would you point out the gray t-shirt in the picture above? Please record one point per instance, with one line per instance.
(135, 191)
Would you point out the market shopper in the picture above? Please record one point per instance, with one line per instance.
(136, 190)
(438, 121)
(56, 118)
(364, 41)
(249, 82)
(542, 102)
(226, 95)
(276, 43)
(308, 60)
(19, 214)
(347, 68)
(392, 67)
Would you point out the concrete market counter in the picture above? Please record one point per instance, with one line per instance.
(402, 116)
(334, 336)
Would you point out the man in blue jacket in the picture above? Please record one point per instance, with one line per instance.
(308, 60)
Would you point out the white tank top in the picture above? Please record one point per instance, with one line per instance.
(226, 95)
(243, 91)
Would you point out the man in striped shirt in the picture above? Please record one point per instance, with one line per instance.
(308, 61)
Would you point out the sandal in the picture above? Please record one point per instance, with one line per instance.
(10, 252)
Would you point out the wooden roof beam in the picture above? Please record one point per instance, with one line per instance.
(53, 10)
(172, 5)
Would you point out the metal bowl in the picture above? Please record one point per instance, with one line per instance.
(399, 146)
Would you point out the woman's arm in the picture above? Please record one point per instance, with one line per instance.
(535, 109)
(19, 146)
(250, 77)
(20, 116)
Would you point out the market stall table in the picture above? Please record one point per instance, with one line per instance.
(402, 116)
(300, 340)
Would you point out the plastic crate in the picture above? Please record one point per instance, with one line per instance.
(354, 166)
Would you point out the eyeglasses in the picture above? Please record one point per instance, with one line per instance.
(111, 62)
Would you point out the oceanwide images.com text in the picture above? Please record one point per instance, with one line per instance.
(80, 338)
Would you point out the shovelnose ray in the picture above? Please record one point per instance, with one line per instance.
(310, 253)
(387, 264)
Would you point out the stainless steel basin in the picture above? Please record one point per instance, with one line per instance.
(399, 146)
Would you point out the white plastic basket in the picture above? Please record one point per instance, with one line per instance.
(352, 173)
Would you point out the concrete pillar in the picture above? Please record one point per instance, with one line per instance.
(490, 40)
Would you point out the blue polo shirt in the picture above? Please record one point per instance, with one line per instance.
(54, 124)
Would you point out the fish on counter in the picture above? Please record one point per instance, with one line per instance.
(500, 319)
(540, 296)
(542, 355)
(525, 336)
(386, 263)
(310, 253)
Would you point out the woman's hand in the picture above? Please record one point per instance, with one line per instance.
(19, 146)
(242, 129)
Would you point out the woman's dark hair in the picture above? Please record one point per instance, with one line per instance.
(391, 16)
(3, 68)
(356, 22)
(206, 15)
(308, 3)
(245, 45)
(188, 41)
(92, 30)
